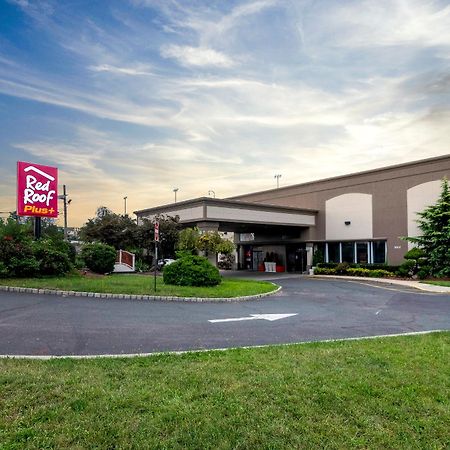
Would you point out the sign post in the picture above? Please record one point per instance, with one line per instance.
(156, 250)
(37, 192)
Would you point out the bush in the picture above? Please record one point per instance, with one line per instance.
(24, 266)
(191, 271)
(424, 272)
(51, 260)
(329, 265)
(225, 262)
(99, 258)
(4, 272)
(317, 257)
(407, 268)
(324, 271)
(342, 268)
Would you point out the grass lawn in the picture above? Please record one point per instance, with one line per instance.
(141, 284)
(438, 282)
(386, 393)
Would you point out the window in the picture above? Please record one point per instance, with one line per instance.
(333, 252)
(348, 251)
(379, 252)
(361, 253)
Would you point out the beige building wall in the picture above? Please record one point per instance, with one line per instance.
(349, 217)
(418, 198)
(387, 186)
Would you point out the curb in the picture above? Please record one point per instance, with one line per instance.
(98, 295)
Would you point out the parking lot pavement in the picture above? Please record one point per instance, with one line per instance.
(307, 309)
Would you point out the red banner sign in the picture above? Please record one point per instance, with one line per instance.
(37, 190)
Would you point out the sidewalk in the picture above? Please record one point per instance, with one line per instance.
(405, 283)
(249, 275)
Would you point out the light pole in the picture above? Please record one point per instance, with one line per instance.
(125, 205)
(175, 190)
(212, 192)
(278, 176)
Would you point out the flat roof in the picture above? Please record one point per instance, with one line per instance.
(223, 202)
(350, 175)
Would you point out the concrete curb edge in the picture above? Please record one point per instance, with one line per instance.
(98, 295)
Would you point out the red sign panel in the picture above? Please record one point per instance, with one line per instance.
(156, 231)
(37, 190)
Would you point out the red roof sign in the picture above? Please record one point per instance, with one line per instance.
(37, 190)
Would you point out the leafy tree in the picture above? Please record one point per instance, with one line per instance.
(187, 242)
(434, 223)
(213, 242)
(169, 230)
(110, 228)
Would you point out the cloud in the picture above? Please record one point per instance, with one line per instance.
(196, 56)
(140, 70)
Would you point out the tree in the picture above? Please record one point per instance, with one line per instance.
(188, 239)
(110, 228)
(169, 230)
(213, 242)
(434, 223)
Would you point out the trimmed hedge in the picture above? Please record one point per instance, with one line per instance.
(191, 271)
(355, 272)
(386, 267)
(99, 258)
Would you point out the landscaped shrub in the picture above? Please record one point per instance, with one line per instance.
(324, 271)
(328, 265)
(317, 257)
(99, 258)
(341, 268)
(380, 274)
(191, 271)
(23, 266)
(51, 260)
(406, 269)
(4, 272)
(424, 272)
(355, 272)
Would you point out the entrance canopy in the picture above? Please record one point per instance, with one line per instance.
(232, 215)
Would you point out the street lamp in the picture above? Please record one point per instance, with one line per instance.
(278, 176)
(175, 190)
(125, 205)
(212, 192)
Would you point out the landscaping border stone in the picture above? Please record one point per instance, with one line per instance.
(98, 295)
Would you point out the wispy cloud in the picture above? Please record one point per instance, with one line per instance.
(196, 56)
(140, 70)
(156, 94)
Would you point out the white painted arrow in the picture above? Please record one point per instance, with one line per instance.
(270, 317)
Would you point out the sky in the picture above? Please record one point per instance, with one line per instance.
(138, 97)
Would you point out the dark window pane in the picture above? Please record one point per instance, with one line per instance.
(361, 253)
(348, 250)
(379, 252)
(333, 252)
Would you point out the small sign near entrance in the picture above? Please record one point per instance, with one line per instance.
(156, 231)
(37, 190)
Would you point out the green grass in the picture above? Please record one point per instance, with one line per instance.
(390, 393)
(438, 283)
(141, 284)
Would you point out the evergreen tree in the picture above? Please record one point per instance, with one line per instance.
(434, 224)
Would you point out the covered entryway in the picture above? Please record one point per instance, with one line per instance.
(262, 233)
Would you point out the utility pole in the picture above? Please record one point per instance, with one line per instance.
(125, 206)
(63, 197)
(278, 176)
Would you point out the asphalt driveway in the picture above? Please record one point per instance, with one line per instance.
(318, 309)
